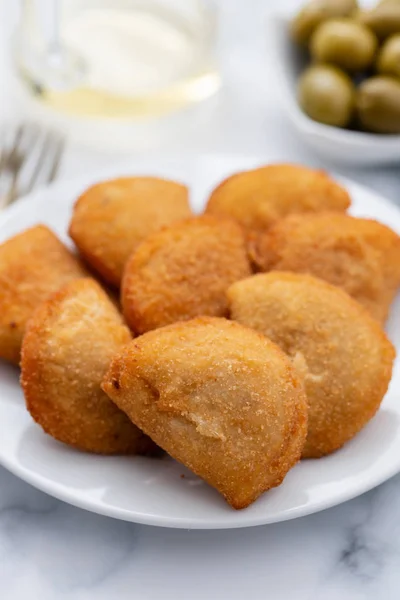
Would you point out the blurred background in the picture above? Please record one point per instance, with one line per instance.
(127, 77)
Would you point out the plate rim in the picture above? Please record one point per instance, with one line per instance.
(41, 484)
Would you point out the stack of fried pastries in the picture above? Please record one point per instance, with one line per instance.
(250, 336)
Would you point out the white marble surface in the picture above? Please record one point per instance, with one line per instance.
(51, 551)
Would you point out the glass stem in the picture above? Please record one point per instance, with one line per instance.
(55, 39)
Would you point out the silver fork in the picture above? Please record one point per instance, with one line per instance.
(29, 157)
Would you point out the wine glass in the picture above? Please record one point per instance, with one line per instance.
(117, 59)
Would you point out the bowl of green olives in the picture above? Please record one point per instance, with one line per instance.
(338, 66)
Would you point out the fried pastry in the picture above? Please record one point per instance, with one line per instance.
(183, 272)
(344, 356)
(66, 351)
(33, 264)
(218, 397)
(111, 218)
(258, 198)
(361, 256)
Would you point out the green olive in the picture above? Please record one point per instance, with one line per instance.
(388, 61)
(383, 20)
(327, 94)
(314, 13)
(378, 104)
(344, 43)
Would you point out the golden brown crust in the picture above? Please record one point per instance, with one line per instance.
(111, 218)
(33, 265)
(66, 351)
(182, 272)
(361, 256)
(258, 198)
(342, 352)
(219, 398)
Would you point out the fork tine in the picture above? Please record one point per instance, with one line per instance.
(9, 158)
(24, 142)
(48, 160)
(2, 158)
(28, 141)
(33, 156)
(60, 144)
(3, 152)
(39, 162)
(17, 139)
(8, 155)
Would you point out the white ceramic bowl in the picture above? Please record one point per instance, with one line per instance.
(339, 145)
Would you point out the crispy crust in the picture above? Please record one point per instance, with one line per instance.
(218, 397)
(182, 272)
(341, 350)
(361, 256)
(66, 351)
(258, 198)
(33, 265)
(111, 218)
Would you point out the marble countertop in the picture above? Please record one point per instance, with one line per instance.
(52, 551)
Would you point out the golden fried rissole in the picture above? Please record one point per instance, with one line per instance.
(65, 353)
(111, 218)
(182, 272)
(359, 255)
(258, 198)
(218, 397)
(33, 265)
(339, 348)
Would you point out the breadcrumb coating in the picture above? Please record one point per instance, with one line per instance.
(33, 265)
(66, 352)
(260, 197)
(340, 350)
(361, 256)
(111, 218)
(218, 397)
(183, 272)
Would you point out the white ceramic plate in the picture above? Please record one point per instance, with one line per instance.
(339, 145)
(153, 491)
